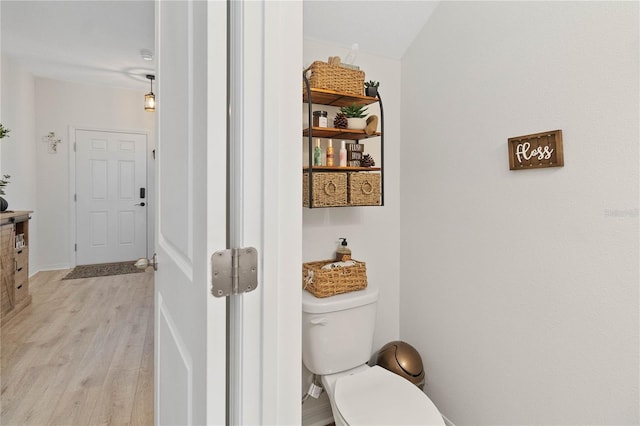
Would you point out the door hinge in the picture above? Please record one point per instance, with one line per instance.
(234, 271)
(75, 197)
(75, 247)
(74, 147)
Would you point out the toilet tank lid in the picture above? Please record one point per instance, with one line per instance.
(340, 302)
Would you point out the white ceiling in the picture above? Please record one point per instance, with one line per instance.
(385, 28)
(99, 42)
(96, 42)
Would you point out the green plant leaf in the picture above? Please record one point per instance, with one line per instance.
(354, 111)
(4, 182)
(4, 132)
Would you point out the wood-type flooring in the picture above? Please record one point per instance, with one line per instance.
(81, 353)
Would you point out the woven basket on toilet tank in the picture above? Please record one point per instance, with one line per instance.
(329, 282)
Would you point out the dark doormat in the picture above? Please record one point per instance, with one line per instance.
(103, 270)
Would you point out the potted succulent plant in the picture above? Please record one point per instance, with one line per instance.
(371, 88)
(3, 182)
(355, 116)
(4, 133)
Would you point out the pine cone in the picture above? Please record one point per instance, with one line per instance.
(367, 161)
(340, 122)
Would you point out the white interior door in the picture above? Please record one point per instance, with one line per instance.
(111, 212)
(190, 326)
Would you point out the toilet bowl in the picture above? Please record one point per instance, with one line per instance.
(337, 336)
(375, 396)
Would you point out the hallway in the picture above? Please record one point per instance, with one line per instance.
(81, 354)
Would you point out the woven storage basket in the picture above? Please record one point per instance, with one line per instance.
(337, 78)
(329, 282)
(364, 189)
(329, 189)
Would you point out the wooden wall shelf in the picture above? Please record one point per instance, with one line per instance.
(342, 169)
(335, 186)
(332, 98)
(334, 133)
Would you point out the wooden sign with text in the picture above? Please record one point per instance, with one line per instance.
(536, 151)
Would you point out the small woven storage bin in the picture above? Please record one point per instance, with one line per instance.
(329, 189)
(329, 282)
(335, 77)
(364, 189)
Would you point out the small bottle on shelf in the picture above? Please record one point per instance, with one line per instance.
(330, 153)
(320, 119)
(323, 120)
(343, 154)
(317, 154)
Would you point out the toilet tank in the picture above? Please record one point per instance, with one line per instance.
(337, 331)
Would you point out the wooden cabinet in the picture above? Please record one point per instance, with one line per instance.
(364, 185)
(14, 263)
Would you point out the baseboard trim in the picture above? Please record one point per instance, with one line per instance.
(50, 267)
(446, 420)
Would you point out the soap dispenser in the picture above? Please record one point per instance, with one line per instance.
(343, 253)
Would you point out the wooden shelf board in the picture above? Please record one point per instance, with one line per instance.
(333, 98)
(14, 216)
(341, 169)
(333, 133)
(338, 207)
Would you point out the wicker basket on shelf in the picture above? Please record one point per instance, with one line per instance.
(364, 189)
(329, 189)
(329, 282)
(335, 77)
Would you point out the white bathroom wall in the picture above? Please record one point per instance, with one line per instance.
(1, 60)
(520, 288)
(18, 151)
(1, 73)
(372, 232)
(62, 104)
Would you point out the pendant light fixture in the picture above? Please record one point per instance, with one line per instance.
(150, 98)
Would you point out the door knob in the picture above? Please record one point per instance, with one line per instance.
(143, 263)
(140, 204)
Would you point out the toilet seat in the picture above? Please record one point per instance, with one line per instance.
(378, 397)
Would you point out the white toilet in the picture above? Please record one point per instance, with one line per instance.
(337, 338)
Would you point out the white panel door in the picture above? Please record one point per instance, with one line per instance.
(191, 219)
(111, 216)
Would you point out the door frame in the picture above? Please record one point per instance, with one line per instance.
(270, 355)
(270, 383)
(72, 185)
